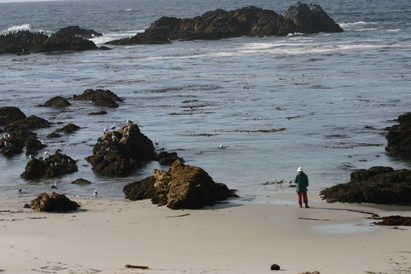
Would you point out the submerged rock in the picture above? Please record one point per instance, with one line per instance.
(248, 21)
(378, 185)
(57, 102)
(81, 181)
(182, 186)
(394, 221)
(52, 203)
(99, 97)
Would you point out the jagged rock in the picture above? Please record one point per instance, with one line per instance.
(116, 152)
(379, 185)
(399, 137)
(49, 166)
(248, 21)
(181, 187)
(81, 181)
(99, 97)
(10, 114)
(310, 19)
(69, 128)
(76, 31)
(52, 203)
(57, 102)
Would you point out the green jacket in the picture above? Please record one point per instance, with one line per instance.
(301, 180)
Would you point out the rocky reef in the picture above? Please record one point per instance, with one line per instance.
(247, 21)
(182, 186)
(71, 38)
(378, 185)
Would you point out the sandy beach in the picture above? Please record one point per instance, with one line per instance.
(106, 235)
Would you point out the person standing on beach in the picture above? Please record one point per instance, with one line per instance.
(301, 181)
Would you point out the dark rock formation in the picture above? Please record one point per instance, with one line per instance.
(394, 221)
(81, 181)
(99, 97)
(66, 39)
(168, 158)
(116, 152)
(32, 122)
(19, 136)
(52, 203)
(49, 166)
(69, 128)
(76, 31)
(181, 187)
(275, 267)
(57, 102)
(379, 185)
(10, 114)
(248, 21)
(399, 137)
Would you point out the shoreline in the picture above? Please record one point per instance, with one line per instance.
(105, 235)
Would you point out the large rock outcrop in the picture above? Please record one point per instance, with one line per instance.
(378, 185)
(52, 203)
(248, 21)
(182, 186)
(117, 152)
(66, 39)
(399, 137)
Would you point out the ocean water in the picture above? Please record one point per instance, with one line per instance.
(324, 99)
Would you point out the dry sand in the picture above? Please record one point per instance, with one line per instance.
(106, 235)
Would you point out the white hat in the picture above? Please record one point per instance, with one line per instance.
(299, 169)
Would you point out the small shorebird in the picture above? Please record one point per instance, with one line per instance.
(20, 190)
(222, 146)
(279, 182)
(95, 193)
(129, 121)
(54, 186)
(31, 157)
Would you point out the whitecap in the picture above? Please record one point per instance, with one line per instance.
(17, 28)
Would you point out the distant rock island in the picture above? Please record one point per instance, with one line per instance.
(248, 21)
(71, 38)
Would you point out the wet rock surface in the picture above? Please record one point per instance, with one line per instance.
(394, 221)
(399, 137)
(182, 186)
(49, 166)
(10, 114)
(378, 185)
(247, 21)
(19, 132)
(116, 153)
(71, 38)
(52, 203)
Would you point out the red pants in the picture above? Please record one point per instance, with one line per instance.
(302, 194)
